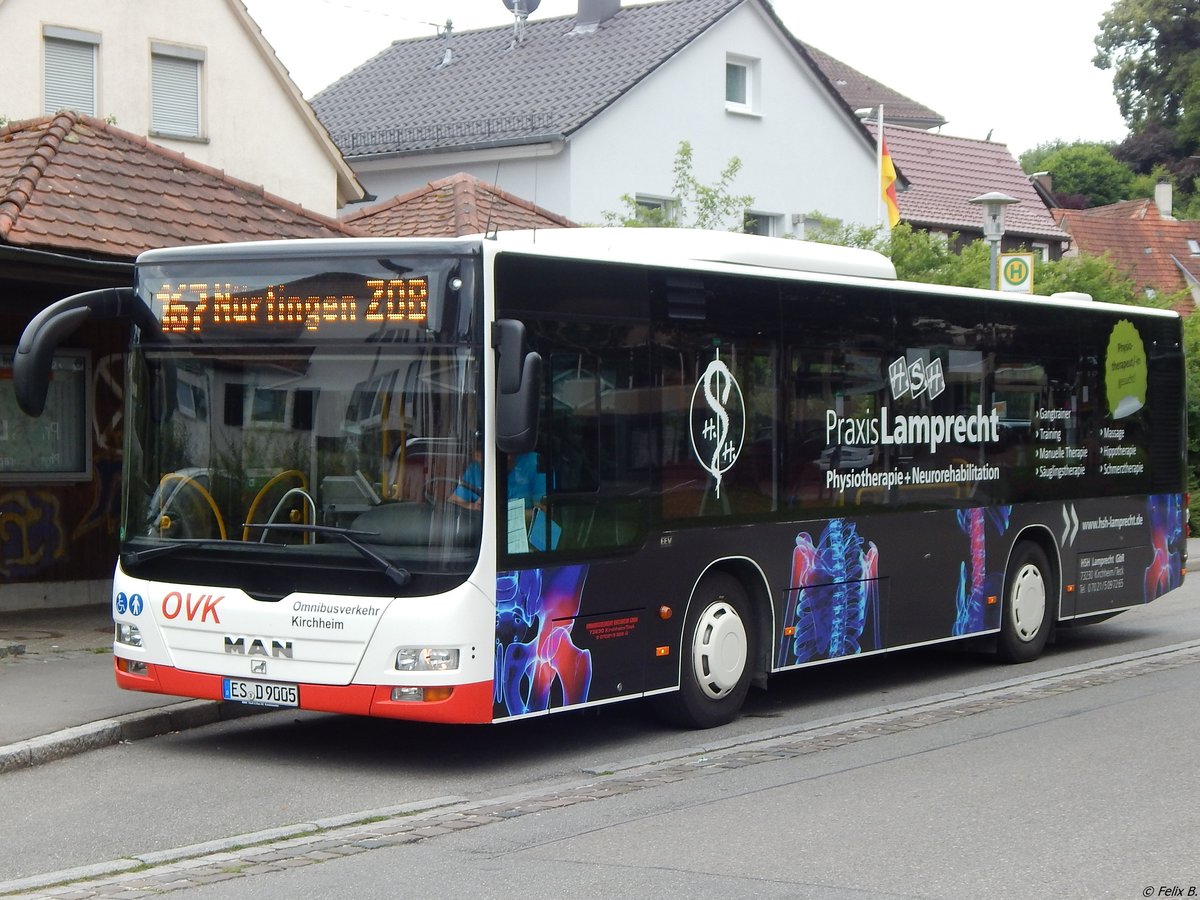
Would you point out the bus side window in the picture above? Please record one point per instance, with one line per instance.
(596, 477)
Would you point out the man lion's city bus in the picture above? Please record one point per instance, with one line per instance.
(479, 479)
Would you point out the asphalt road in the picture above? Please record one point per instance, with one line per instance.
(933, 773)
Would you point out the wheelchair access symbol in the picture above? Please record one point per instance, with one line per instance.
(1016, 272)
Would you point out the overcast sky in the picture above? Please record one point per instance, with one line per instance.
(1020, 69)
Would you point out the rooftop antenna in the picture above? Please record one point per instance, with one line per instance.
(448, 56)
(520, 10)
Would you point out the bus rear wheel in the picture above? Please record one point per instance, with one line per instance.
(1028, 613)
(717, 650)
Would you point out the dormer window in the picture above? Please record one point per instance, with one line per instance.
(742, 87)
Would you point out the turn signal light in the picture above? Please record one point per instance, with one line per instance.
(131, 666)
(421, 694)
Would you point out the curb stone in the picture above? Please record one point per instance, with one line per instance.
(130, 727)
(197, 856)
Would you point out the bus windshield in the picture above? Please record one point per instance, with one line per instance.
(316, 413)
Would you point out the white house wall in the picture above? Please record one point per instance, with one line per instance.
(801, 153)
(539, 174)
(250, 128)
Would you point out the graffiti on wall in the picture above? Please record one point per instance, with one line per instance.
(32, 536)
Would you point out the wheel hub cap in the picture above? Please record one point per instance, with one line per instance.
(1028, 602)
(720, 650)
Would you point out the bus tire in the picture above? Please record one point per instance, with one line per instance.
(716, 656)
(1027, 615)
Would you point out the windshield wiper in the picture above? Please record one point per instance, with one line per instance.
(137, 556)
(399, 577)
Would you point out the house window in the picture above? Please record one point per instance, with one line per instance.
(1042, 250)
(1194, 246)
(69, 70)
(767, 224)
(59, 448)
(741, 84)
(175, 91)
(657, 210)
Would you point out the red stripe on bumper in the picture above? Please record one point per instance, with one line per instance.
(469, 704)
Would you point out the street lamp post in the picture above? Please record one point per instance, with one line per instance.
(993, 227)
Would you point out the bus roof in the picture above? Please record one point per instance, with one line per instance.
(679, 245)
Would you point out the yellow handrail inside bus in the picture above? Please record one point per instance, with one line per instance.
(200, 489)
(262, 495)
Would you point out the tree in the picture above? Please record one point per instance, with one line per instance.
(1034, 160)
(822, 229)
(697, 205)
(1089, 171)
(1153, 48)
(1191, 356)
(1095, 276)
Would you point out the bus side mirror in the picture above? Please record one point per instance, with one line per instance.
(53, 325)
(518, 388)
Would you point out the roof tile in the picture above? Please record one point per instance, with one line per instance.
(460, 204)
(945, 172)
(74, 182)
(1153, 251)
(859, 91)
(496, 90)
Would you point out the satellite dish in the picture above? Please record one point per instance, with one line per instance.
(526, 6)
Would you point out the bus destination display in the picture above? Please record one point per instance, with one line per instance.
(196, 307)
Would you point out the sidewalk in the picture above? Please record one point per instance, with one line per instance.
(58, 696)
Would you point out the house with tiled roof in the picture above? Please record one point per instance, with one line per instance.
(79, 199)
(451, 207)
(1161, 254)
(944, 173)
(575, 112)
(196, 76)
(861, 92)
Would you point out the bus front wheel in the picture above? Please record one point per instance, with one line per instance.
(716, 654)
(1028, 612)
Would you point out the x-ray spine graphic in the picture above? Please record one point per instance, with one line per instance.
(534, 648)
(1165, 571)
(834, 591)
(976, 584)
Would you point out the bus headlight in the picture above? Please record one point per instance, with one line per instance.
(426, 659)
(128, 634)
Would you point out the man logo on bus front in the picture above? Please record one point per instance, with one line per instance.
(718, 423)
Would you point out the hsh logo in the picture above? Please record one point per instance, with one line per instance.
(201, 607)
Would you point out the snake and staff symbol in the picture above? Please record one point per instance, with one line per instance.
(718, 420)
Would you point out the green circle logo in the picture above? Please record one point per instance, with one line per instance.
(1016, 271)
(1125, 370)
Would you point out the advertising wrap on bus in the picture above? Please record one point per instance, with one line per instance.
(480, 479)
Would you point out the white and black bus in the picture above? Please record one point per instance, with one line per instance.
(476, 479)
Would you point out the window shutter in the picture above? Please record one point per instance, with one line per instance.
(70, 76)
(175, 96)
